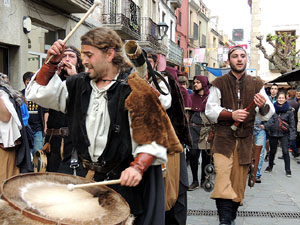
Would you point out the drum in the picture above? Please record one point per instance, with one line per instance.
(44, 197)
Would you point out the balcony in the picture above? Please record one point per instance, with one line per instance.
(128, 29)
(175, 54)
(71, 6)
(149, 33)
(175, 3)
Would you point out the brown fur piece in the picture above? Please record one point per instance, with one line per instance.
(150, 121)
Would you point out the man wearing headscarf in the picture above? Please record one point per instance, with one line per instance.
(229, 97)
(57, 133)
(198, 123)
(117, 124)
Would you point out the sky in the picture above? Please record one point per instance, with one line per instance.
(233, 14)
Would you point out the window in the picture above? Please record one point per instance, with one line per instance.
(195, 31)
(178, 41)
(41, 40)
(171, 30)
(4, 60)
(197, 69)
(214, 42)
(179, 18)
(203, 45)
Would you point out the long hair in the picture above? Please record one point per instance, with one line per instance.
(104, 39)
(79, 66)
(17, 95)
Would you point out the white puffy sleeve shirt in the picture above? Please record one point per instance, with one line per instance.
(54, 96)
(214, 108)
(10, 131)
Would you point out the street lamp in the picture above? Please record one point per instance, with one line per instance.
(162, 30)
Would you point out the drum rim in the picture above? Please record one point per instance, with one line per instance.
(41, 218)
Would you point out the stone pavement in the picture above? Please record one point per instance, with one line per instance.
(277, 196)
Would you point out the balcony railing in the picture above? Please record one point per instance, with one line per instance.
(123, 21)
(149, 31)
(174, 53)
(176, 3)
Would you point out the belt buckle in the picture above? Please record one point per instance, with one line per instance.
(63, 131)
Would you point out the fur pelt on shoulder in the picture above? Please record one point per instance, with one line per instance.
(150, 121)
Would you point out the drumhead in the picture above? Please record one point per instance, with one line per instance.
(44, 197)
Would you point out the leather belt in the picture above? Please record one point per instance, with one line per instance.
(195, 125)
(17, 143)
(63, 131)
(93, 166)
(199, 125)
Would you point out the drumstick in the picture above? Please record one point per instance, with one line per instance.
(96, 3)
(237, 123)
(71, 187)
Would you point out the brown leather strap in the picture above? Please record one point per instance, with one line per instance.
(63, 131)
(225, 115)
(39, 156)
(62, 144)
(142, 162)
(90, 174)
(46, 72)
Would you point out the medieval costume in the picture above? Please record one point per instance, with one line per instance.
(198, 124)
(232, 150)
(14, 146)
(101, 133)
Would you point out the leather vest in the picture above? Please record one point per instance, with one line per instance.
(236, 94)
(118, 147)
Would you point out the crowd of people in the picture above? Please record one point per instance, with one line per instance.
(101, 119)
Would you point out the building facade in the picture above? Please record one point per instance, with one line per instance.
(29, 28)
(283, 18)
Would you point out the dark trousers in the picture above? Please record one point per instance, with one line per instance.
(194, 155)
(285, 151)
(293, 146)
(227, 210)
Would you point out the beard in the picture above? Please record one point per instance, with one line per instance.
(234, 69)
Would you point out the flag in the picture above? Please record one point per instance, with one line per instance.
(217, 71)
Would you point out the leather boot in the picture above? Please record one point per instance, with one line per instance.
(224, 207)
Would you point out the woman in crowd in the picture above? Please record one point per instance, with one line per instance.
(281, 127)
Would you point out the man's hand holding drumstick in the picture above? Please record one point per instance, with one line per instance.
(55, 52)
(241, 114)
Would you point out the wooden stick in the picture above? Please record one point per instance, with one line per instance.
(96, 3)
(71, 187)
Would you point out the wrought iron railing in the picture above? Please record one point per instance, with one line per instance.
(174, 53)
(149, 30)
(121, 19)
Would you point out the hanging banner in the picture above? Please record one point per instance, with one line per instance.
(188, 61)
(245, 46)
(199, 55)
(217, 71)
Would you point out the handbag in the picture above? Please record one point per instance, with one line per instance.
(283, 126)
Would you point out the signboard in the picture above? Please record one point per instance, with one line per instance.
(238, 34)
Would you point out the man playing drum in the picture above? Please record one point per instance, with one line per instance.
(117, 124)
